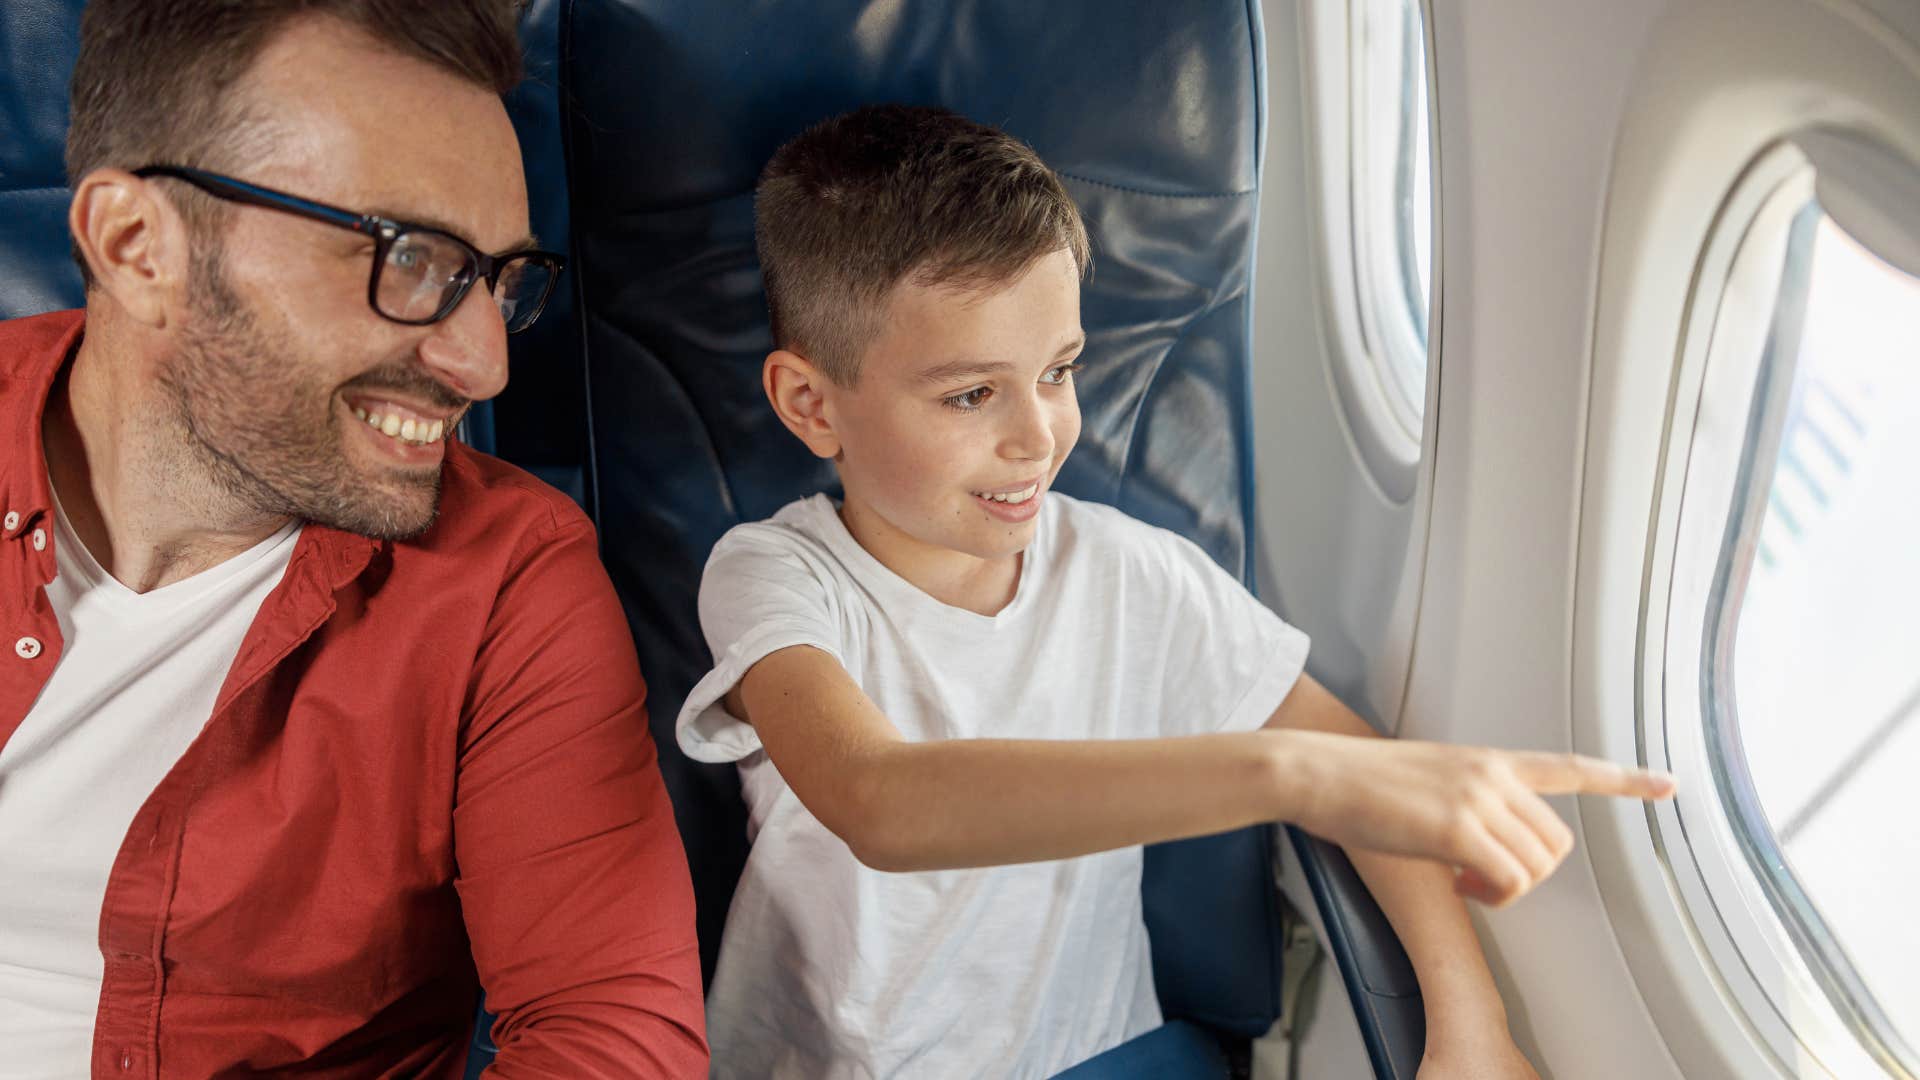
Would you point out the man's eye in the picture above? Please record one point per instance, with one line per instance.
(968, 401)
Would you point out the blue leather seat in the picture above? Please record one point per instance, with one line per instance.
(643, 126)
(38, 42)
(1155, 121)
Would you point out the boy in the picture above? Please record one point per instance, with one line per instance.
(958, 672)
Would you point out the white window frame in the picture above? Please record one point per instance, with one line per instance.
(1772, 955)
(1706, 135)
(1367, 325)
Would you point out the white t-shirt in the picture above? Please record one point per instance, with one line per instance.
(137, 680)
(829, 969)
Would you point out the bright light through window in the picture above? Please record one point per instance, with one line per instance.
(1826, 652)
(1392, 203)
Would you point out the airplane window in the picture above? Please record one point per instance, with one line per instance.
(1814, 707)
(1391, 191)
(1801, 558)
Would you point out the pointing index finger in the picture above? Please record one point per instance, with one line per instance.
(1576, 774)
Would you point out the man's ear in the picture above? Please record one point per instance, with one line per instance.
(798, 391)
(132, 240)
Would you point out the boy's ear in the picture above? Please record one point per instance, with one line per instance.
(797, 390)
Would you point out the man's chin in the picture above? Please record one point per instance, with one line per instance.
(394, 516)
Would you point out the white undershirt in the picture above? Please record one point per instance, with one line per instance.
(137, 680)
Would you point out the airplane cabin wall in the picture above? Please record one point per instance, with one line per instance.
(1530, 96)
(1463, 611)
(1336, 553)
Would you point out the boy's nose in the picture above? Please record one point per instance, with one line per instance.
(1029, 434)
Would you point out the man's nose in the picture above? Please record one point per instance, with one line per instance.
(467, 350)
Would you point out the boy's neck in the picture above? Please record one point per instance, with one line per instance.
(982, 586)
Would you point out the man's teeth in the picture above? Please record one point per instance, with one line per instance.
(1012, 496)
(415, 432)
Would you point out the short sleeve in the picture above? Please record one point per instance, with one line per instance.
(764, 589)
(1230, 660)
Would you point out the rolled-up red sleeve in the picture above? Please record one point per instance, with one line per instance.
(570, 870)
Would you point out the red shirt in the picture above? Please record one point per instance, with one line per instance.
(428, 762)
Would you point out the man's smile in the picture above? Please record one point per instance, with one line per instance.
(403, 434)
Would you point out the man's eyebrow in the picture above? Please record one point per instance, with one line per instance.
(431, 222)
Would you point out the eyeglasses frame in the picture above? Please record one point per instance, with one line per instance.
(383, 231)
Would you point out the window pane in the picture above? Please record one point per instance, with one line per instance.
(1392, 182)
(1826, 657)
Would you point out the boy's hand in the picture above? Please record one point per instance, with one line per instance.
(1474, 809)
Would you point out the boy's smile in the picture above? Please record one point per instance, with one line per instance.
(1017, 505)
(961, 416)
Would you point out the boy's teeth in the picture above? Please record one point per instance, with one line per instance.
(1013, 496)
(418, 432)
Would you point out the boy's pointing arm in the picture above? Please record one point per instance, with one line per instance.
(903, 805)
(1467, 1032)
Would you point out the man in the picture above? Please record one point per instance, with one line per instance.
(311, 714)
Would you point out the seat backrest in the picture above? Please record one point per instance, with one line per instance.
(1152, 116)
(38, 42)
(644, 125)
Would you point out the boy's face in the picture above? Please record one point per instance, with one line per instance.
(962, 415)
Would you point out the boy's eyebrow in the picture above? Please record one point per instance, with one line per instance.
(963, 369)
(968, 368)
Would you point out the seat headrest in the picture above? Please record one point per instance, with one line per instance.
(39, 40)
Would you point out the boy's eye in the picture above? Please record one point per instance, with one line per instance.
(969, 400)
(1060, 375)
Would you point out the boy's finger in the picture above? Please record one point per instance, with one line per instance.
(1500, 870)
(1545, 824)
(1568, 774)
(1518, 836)
(1468, 883)
(1473, 885)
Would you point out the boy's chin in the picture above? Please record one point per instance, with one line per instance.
(997, 540)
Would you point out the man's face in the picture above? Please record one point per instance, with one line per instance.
(279, 361)
(963, 413)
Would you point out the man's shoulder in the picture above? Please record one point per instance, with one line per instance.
(28, 345)
(488, 502)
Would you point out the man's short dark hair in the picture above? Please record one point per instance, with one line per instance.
(859, 203)
(154, 79)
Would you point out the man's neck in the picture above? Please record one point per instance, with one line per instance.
(127, 480)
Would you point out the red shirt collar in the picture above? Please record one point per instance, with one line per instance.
(33, 352)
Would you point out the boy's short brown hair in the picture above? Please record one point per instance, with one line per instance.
(856, 204)
(153, 80)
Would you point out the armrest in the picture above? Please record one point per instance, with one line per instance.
(1379, 978)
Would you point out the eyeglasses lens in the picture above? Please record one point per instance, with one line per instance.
(421, 271)
(522, 288)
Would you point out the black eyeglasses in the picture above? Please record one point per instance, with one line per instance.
(420, 274)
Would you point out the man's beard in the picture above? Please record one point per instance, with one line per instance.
(261, 428)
